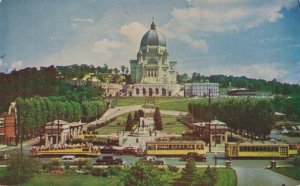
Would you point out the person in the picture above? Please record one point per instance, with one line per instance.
(137, 140)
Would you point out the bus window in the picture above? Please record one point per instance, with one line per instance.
(200, 147)
(151, 147)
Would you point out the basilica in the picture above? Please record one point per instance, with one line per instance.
(152, 74)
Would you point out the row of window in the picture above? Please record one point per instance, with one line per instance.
(259, 149)
(175, 147)
(152, 73)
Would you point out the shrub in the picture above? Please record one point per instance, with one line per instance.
(82, 163)
(97, 172)
(21, 168)
(114, 171)
(173, 168)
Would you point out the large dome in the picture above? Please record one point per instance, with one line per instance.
(153, 38)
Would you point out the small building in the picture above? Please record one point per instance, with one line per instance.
(66, 131)
(279, 116)
(8, 126)
(201, 89)
(218, 131)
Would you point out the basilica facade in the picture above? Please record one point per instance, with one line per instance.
(152, 74)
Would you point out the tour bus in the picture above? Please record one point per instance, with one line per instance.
(174, 148)
(256, 150)
(57, 150)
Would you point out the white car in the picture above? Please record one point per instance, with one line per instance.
(68, 159)
(284, 131)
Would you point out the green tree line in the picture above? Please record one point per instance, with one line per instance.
(45, 82)
(242, 82)
(34, 113)
(254, 116)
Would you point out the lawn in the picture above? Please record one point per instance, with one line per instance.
(171, 125)
(117, 125)
(293, 172)
(164, 103)
(130, 101)
(226, 177)
(71, 179)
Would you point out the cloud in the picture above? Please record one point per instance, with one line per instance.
(88, 20)
(134, 32)
(267, 71)
(16, 65)
(1, 63)
(105, 46)
(215, 16)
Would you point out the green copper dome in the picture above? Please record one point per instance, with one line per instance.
(153, 38)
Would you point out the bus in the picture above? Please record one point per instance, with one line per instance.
(256, 150)
(174, 148)
(293, 149)
(58, 150)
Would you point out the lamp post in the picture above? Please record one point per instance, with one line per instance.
(209, 122)
(216, 159)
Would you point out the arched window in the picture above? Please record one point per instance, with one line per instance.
(150, 92)
(163, 92)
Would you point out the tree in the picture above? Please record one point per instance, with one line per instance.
(123, 68)
(182, 78)
(129, 123)
(142, 174)
(136, 117)
(157, 119)
(189, 175)
(209, 177)
(20, 168)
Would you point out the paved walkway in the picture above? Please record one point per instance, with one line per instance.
(255, 174)
(117, 111)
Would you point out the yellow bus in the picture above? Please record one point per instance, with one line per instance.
(58, 150)
(174, 148)
(256, 150)
(293, 149)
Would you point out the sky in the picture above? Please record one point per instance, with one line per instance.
(253, 38)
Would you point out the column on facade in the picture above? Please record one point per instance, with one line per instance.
(46, 139)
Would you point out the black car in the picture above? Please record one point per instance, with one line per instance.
(195, 156)
(109, 160)
(153, 160)
(107, 150)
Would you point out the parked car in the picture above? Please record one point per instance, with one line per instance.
(140, 152)
(129, 150)
(195, 156)
(107, 150)
(109, 160)
(153, 160)
(68, 159)
(284, 131)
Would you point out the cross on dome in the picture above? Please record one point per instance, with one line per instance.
(153, 26)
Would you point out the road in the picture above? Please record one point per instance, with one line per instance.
(254, 173)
